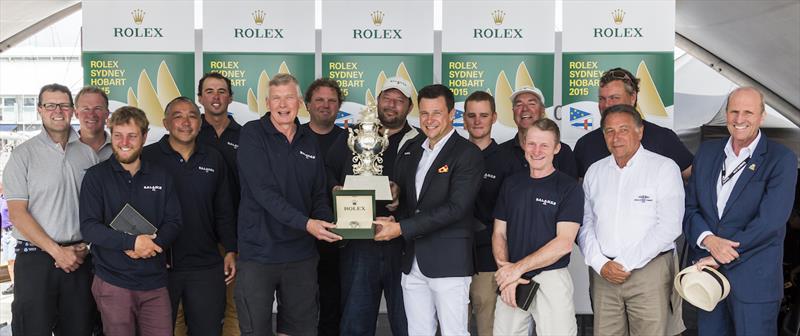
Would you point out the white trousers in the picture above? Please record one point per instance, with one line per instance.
(552, 308)
(427, 298)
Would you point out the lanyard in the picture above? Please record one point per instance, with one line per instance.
(739, 167)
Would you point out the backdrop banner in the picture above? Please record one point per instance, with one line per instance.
(366, 42)
(497, 47)
(601, 35)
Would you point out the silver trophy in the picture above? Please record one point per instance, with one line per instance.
(367, 141)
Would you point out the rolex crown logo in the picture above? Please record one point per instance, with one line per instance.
(258, 16)
(377, 17)
(498, 16)
(618, 16)
(138, 16)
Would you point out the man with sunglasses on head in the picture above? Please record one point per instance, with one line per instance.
(619, 86)
(42, 179)
(91, 108)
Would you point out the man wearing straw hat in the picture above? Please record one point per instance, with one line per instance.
(737, 203)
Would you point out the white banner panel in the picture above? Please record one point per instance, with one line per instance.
(638, 36)
(138, 25)
(498, 26)
(258, 26)
(619, 25)
(377, 26)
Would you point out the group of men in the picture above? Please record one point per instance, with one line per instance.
(471, 221)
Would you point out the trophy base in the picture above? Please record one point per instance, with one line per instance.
(355, 233)
(363, 182)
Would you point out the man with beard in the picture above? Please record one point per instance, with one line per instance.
(369, 267)
(528, 107)
(91, 104)
(42, 179)
(198, 273)
(323, 100)
(130, 283)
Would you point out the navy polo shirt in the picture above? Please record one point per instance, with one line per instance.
(325, 141)
(202, 185)
(564, 160)
(531, 208)
(283, 185)
(106, 188)
(591, 147)
(227, 144)
(497, 168)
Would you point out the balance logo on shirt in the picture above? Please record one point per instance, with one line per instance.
(489, 176)
(153, 187)
(205, 169)
(546, 201)
(308, 156)
(643, 199)
(235, 146)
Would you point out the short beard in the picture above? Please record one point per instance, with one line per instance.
(397, 123)
(134, 156)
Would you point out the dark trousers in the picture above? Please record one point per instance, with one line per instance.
(49, 301)
(368, 269)
(330, 306)
(126, 311)
(202, 293)
(296, 287)
(734, 317)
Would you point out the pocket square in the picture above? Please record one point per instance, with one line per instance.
(443, 169)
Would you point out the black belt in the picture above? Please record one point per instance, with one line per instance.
(28, 247)
(658, 255)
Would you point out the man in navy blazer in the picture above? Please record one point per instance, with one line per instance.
(738, 200)
(439, 176)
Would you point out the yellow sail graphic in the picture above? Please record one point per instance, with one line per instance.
(283, 68)
(252, 101)
(402, 72)
(379, 84)
(148, 100)
(502, 100)
(165, 85)
(649, 101)
(132, 101)
(369, 98)
(262, 92)
(523, 78)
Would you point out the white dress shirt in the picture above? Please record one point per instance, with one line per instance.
(428, 156)
(724, 191)
(631, 214)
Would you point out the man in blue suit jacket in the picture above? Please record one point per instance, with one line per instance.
(738, 200)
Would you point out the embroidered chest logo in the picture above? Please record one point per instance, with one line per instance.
(546, 201)
(205, 169)
(489, 176)
(153, 187)
(643, 198)
(235, 146)
(308, 156)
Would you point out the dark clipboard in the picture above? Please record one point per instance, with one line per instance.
(130, 221)
(524, 294)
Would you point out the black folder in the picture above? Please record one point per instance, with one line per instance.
(524, 294)
(130, 221)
